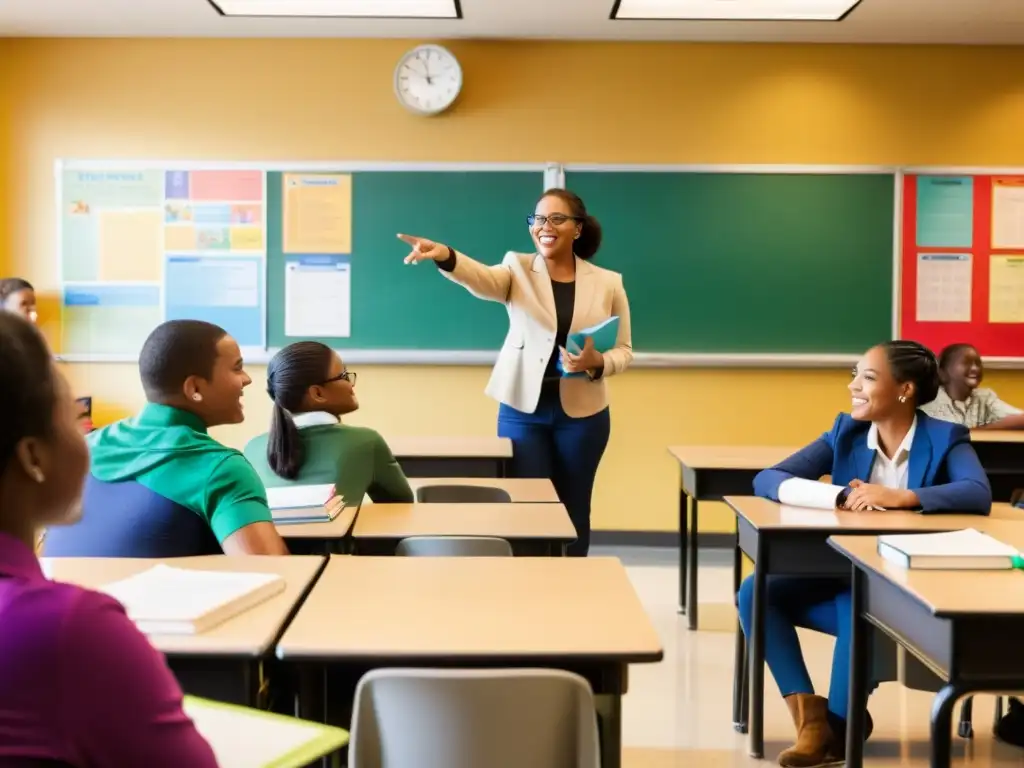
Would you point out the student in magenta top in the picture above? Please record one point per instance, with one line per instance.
(79, 685)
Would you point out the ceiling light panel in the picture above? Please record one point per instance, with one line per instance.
(734, 10)
(392, 9)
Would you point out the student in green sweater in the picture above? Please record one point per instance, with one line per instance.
(307, 444)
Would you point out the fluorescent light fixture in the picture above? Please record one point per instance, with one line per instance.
(367, 9)
(733, 10)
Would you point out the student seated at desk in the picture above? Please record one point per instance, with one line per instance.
(159, 485)
(18, 296)
(311, 388)
(80, 686)
(888, 455)
(963, 400)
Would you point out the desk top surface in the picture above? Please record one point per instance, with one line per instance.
(769, 515)
(441, 447)
(750, 457)
(516, 608)
(522, 490)
(997, 435)
(507, 521)
(249, 634)
(949, 593)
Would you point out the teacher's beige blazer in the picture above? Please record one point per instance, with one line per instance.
(521, 282)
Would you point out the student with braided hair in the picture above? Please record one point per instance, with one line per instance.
(886, 454)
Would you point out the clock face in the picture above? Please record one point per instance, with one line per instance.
(428, 79)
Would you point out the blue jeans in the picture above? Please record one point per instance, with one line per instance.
(821, 604)
(548, 443)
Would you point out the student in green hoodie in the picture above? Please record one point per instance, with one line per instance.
(311, 388)
(159, 485)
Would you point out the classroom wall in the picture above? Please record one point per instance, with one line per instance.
(668, 103)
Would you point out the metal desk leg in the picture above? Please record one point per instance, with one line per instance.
(683, 547)
(859, 668)
(739, 681)
(691, 576)
(942, 724)
(609, 710)
(756, 659)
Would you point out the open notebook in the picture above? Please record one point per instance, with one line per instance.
(249, 738)
(968, 549)
(304, 503)
(181, 601)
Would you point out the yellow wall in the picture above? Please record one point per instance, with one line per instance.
(332, 99)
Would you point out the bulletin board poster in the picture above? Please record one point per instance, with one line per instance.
(962, 262)
(145, 245)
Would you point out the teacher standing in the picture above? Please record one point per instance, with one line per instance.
(559, 426)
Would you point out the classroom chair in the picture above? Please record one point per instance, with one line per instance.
(462, 494)
(454, 546)
(466, 718)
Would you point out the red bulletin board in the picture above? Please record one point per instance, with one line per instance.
(1002, 336)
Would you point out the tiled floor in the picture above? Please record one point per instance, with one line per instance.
(678, 713)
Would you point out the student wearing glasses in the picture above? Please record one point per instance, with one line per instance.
(559, 426)
(307, 443)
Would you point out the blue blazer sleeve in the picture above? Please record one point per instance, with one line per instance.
(809, 463)
(967, 491)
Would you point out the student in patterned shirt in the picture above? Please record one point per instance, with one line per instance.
(962, 400)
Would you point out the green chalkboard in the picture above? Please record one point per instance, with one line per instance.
(394, 306)
(748, 262)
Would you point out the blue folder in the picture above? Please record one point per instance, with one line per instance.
(604, 334)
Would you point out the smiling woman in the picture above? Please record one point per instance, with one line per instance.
(886, 454)
(554, 403)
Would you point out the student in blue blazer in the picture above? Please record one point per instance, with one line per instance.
(886, 455)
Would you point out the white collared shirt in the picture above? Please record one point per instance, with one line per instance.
(314, 419)
(891, 473)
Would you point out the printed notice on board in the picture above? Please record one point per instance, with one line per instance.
(318, 296)
(944, 287)
(317, 213)
(1008, 212)
(945, 211)
(1006, 289)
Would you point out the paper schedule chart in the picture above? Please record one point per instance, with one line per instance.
(318, 296)
(145, 245)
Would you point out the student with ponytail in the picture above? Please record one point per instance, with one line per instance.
(559, 425)
(311, 388)
(886, 454)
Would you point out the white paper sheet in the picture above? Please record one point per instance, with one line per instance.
(944, 287)
(1008, 213)
(798, 492)
(318, 297)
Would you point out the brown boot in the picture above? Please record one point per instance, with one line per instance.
(813, 735)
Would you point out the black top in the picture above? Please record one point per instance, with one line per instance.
(565, 305)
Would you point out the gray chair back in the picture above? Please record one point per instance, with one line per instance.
(462, 494)
(454, 546)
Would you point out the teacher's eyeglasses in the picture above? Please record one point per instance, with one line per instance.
(348, 376)
(555, 219)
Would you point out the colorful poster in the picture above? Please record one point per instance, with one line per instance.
(318, 297)
(225, 290)
(130, 245)
(317, 213)
(221, 186)
(1006, 289)
(944, 287)
(109, 319)
(945, 211)
(1008, 212)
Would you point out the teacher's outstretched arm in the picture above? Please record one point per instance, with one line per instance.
(491, 283)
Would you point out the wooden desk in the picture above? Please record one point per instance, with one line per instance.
(1001, 452)
(577, 614)
(522, 490)
(964, 625)
(710, 473)
(451, 456)
(531, 529)
(790, 541)
(224, 662)
(320, 538)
